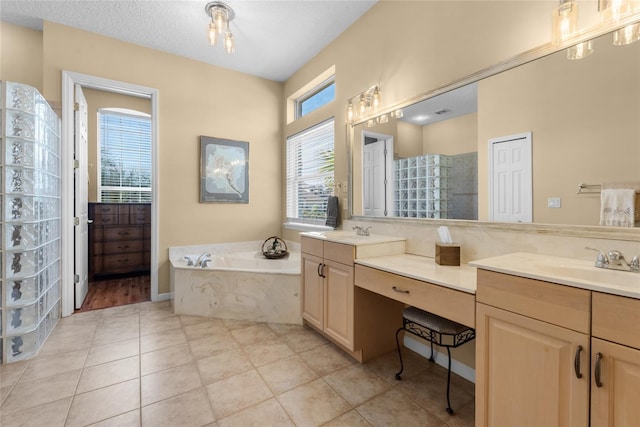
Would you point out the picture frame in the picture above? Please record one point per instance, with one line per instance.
(224, 170)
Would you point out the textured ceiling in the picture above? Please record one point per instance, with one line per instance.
(273, 38)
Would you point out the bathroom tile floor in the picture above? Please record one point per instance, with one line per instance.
(141, 365)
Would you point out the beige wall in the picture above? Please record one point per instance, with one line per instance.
(413, 47)
(97, 99)
(21, 55)
(572, 142)
(194, 99)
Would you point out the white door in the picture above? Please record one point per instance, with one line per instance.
(510, 175)
(81, 181)
(377, 178)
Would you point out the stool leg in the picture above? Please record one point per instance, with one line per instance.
(449, 409)
(398, 377)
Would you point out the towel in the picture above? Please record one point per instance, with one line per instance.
(333, 212)
(617, 206)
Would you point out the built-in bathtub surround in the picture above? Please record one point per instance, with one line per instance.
(238, 283)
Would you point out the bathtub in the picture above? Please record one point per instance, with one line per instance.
(238, 283)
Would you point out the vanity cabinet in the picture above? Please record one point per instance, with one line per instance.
(327, 288)
(119, 238)
(615, 360)
(532, 352)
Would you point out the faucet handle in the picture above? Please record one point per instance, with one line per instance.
(601, 261)
(634, 265)
(616, 256)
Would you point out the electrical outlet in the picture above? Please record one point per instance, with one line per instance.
(553, 202)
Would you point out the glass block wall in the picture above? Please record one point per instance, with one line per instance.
(30, 230)
(423, 186)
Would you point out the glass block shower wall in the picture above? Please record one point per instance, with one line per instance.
(30, 230)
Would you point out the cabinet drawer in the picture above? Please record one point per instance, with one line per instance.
(105, 209)
(129, 246)
(339, 252)
(312, 246)
(122, 233)
(616, 319)
(139, 214)
(105, 219)
(123, 262)
(557, 304)
(448, 303)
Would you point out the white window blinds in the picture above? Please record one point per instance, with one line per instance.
(310, 166)
(125, 157)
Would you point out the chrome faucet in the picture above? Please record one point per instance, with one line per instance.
(361, 231)
(614, 260)
(203, 259)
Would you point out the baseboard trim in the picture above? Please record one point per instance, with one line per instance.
(163, 297)
(441, 359)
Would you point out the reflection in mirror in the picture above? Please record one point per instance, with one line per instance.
(435, 160)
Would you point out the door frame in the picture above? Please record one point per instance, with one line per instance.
(69, 80)
(389, 145)
(527, 137)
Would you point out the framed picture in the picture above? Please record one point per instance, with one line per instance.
(224, 170)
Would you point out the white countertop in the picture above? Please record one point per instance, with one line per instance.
(462, 278)
(351, 238)
(565, 271)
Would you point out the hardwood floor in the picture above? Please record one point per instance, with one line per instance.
(117, 291)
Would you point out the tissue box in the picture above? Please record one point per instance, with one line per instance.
(447, 254)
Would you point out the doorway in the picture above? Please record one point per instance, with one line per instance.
(510, 179)
(68, 273)
(377, 171)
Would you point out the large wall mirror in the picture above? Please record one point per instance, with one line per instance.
(563, 122)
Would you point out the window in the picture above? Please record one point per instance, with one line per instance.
(125, 156)
(316, 98)
(310, 166)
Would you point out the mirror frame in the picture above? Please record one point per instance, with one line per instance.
(588, 231)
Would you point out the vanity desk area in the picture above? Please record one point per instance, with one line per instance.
(557, 339)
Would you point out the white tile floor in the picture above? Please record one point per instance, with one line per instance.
(141, 365)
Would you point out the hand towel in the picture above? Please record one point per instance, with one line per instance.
(617, 207)
(333, 212)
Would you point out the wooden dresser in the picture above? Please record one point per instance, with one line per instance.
(119, 238)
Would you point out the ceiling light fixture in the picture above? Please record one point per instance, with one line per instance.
(220, 14)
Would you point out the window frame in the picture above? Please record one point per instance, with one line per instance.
(293, 192)
(100, 187)
(331, 81)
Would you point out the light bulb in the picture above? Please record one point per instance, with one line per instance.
(229, 46)
(213, 35)
(564, 21)
(382, 119)
(362, 105)
(350, 112)
(627, 35)
(375, 99)
(614, 9)
(579, 51)
(220, 19)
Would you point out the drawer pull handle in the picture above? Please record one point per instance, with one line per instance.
(576, 362)
(396, 289)
(597, 370)
(123, 247)
(123, 233)
(106, 219)
(124, 260)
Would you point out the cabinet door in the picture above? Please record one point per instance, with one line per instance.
(312, 291)
(525, 372)
(616, 403)
(339, 303)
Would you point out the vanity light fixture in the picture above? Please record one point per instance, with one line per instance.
(613, 11)
(396, 114)
(564, 21)
(364, 104)
(221, 14)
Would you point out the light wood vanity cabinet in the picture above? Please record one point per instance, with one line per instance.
(615, 347)
(327, 288)
(527, 364)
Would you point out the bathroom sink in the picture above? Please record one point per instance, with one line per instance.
(590, 273)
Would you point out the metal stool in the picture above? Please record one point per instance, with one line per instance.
(435, 329)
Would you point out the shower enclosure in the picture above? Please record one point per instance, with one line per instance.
(30, 221)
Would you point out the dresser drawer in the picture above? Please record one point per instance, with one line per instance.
(616, 319)
(448, 303)
(122, 233)
(123, 262)
(139, 214)
(129, 246)
(105, 219)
